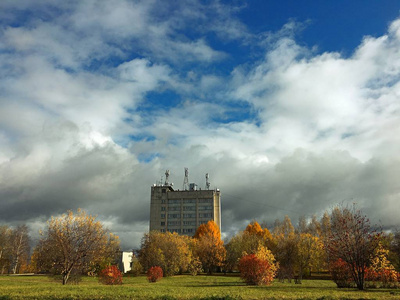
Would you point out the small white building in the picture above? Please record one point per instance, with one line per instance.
(125, 264)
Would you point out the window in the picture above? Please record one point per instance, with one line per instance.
(162, 216)
(174, 230)
(189, 208)
(189, 215)
(208, 215)
(189, 223)
(188, 230)
(205, 207)
(174, 216)
(205, 200)
(163, 208)
(162, 230)
(163, 191)
(174, 208)
(162, 224)
(174, 201)
(174, 223)
(163, 201)
(189, 201)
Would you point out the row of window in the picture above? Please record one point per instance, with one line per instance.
(186, 201)
(186, 208)
(187, 216)
(185, 230)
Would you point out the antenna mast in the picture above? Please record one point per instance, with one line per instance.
(207, 182)
(166, 177)
(186, 180)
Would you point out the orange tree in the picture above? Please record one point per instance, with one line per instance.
(73, 242)
(209, 247)
(353, 240)
(258, 268)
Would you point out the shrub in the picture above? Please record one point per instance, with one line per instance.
(137, 268)
(255, 271)
(341, 273)
(110, 275)
(154, 274)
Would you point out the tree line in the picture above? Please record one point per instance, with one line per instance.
(342, 242)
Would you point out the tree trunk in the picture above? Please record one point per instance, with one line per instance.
(65, 277)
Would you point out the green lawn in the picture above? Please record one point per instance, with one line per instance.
(179, 287)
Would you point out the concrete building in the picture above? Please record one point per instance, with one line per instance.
(183, 211)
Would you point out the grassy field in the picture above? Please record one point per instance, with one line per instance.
(179, 287)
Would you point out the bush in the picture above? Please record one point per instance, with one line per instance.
(110, 275)
(154, 274)
(341, 274)
(137, 268)
(255, 271)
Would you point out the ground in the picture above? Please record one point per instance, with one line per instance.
(179, 287)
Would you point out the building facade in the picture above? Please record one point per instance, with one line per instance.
(183, 211)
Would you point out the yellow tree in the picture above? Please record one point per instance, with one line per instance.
(72, 242)
(209, 246)
(310, 253)
(169, 251)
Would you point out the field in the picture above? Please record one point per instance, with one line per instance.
(179, 287)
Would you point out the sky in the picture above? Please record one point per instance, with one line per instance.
(292, 107)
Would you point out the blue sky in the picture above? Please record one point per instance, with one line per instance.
(290, 106)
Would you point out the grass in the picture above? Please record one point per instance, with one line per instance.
(179, 287)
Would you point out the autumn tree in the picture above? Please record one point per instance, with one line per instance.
(286, 248)
(248, 242)
(169, 251)
(73, 242)
(310, 253)
(19, 248)
(5, 248)
(353, 240)
(209, 246)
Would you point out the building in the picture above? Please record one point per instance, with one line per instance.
(125, 261)
(183, 211)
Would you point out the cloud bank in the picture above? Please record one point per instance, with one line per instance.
(98, 98)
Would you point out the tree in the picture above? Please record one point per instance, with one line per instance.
(169, 251)
(73, 242)
(209, 246)
(309, 253)
(353, 240)
(286, 248)
(258, 268)
(5, 233)
(19, 248)
(248, 242)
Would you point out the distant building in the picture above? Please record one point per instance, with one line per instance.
(125, 261)
(183, 211)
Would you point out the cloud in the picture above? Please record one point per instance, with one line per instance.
(292, 131)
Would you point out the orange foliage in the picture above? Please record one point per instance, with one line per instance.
(208, 229)
(154, 274)
(255, 229)
(255, 271)
(110, 275)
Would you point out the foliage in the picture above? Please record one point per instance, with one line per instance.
(137, 268)
(258, 268)
(381, 270)
(353, 240)
(209, 247)
(168, 250)
(110, 275)
(195, 266)
(74, 242)
(154, 274)
(310, 253)
(286, 248)
(14, 249)
(341, 273)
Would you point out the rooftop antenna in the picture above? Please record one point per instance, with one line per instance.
(186, 180)
(166, 177)
(207, 182)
